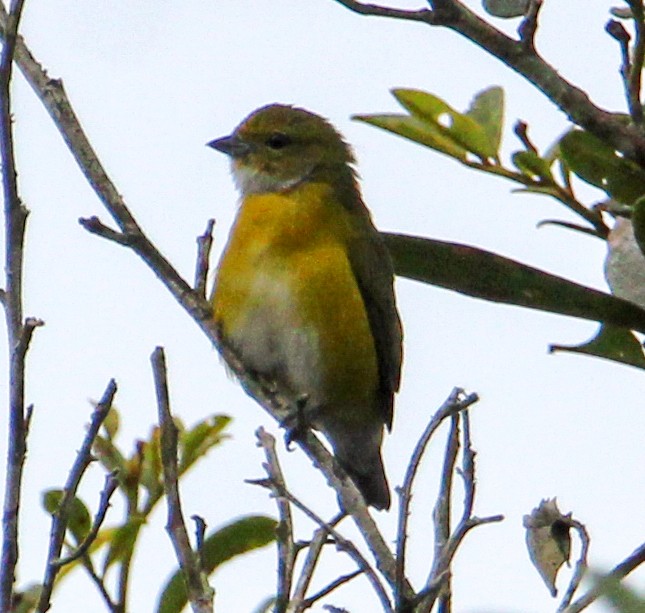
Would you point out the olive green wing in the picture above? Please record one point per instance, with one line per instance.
(372, 267)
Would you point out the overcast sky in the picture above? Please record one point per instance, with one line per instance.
(152, 81)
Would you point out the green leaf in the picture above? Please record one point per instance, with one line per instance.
(26, 601)
(486, 275)
(111, 423)
(108, 455)
(123, 541)
(506, 9)
(79, 521)
(462, 129)
(487, 109)
(622, 598)
(417, 131)
(241, 536)
(196, 442)
(150, 476)
(532, 165)
(597, 163)
(611, 343)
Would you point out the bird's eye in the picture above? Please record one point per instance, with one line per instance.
(278, 141)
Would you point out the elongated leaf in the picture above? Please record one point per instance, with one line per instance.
(611, 343)
(150, 474)
(26, 601)
(623, 599)
(532, 165)
(123, 541)
(241, 536)
(197, 441)
(597, 163)
(486, 275)
(487, 109)
(417, 131)
(462, 129)
(79, 521)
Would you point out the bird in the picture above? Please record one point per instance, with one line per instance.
(303, 294)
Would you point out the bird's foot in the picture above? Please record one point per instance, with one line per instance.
(295, 424)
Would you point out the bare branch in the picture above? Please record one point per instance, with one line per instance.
(442, 509)
(200, 594)
(15, 223)
(521, 130)
(204, 246)
(319, 540)
(620, 571)
(384, 11)
(286, 544)
(99, 583)
(638, 57)
(341, 542)
(581, 564)
(453, 404)
(330, 588)
(529, 25)
(61, 517)
(111, 483)
(440, 573)
(95, 226)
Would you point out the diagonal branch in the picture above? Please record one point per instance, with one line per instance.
(200, 594)
(620, 571)
(60, 518)
(526, 61)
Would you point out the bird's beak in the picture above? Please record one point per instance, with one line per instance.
(231, 145)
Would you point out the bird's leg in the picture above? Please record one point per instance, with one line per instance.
(296, 423)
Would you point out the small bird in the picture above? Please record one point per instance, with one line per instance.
(304, 293)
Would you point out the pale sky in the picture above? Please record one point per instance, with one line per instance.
(152, 81)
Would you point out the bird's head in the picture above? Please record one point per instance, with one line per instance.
(277, 147)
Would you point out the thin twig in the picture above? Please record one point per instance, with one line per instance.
(442, 509)
(617, 31)
(100, 583)
(200, 595)
(285, 539)
(111, 483)
(60, 518)
(638, 57)
(95, 226)
(453, 404)
(529, 25)
(521, 130)
(204, 246)
(309, 602)
(440, 573)
(319, 540)
(341, 542)
(200, 533)
(581, 564)
(620, 571)
(385, 11)
(15, 223)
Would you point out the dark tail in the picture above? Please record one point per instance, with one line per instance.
(372, 484)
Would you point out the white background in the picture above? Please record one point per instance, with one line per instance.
(152, 81)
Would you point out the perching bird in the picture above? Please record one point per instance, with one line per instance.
(304, 289)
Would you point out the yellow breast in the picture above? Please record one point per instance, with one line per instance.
(286, 297)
